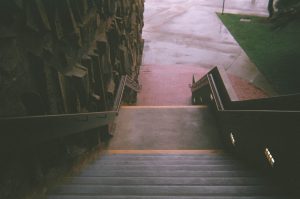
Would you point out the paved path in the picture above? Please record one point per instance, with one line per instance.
(189, 33)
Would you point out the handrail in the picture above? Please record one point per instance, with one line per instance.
(254, 129)
(132, 84)
(36, 129)
(231, 101)
(119, 94)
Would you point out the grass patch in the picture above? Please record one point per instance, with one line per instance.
(276, 53)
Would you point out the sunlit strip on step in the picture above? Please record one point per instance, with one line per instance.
(191, 152)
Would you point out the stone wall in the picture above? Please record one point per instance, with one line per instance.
(56, 57)
(66, 56)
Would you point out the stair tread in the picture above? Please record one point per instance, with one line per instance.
(166, 167)
(161, 197)
(167, 180)
(163, 153)
(166, 157)
(214, 176)
(166, 190)
(168, 173)
(164, 162)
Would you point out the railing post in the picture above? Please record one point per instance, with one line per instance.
(223, 7)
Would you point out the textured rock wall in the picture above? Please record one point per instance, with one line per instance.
(66, 56)
(61, 56)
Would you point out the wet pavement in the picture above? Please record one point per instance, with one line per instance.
(189, 32)
(167, 84)
(164, 85)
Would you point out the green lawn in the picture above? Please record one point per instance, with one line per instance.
(276, 53)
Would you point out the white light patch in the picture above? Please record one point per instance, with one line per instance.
(211, 97)
(232, 139)
(269, 157)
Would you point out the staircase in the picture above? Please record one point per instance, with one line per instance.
(165, 176)
(154, 157)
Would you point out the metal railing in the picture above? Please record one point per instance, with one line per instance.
(265, 132)
(132, 84)
(29, 130)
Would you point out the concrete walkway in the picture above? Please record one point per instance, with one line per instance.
(188, 32)
(165, 128)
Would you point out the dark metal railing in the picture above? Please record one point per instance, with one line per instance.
(265, 131)
(132, 84)
(119, 94)
(30, 130)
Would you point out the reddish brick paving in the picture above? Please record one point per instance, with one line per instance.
(165, 85)
(246, 90)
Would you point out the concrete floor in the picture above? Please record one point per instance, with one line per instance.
(165, 128)
(188, 32)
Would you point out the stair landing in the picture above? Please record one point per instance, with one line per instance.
(165, 128)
